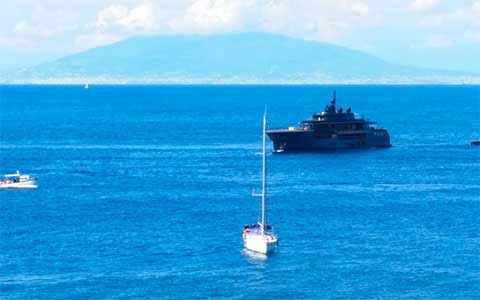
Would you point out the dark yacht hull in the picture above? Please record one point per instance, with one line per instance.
(306, 140)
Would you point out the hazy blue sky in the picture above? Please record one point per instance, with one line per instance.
(427, 33)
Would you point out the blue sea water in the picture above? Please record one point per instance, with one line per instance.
(144, 191)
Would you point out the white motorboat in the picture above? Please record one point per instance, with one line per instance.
(19, 181)
(260, 237)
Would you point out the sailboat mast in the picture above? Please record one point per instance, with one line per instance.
(264, 172)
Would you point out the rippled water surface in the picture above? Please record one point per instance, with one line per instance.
(144, 191)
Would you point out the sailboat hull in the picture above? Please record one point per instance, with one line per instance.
(260, 244)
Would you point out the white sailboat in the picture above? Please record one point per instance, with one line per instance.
(260, 237)
(86, 86)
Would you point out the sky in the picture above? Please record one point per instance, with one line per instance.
(436, 34)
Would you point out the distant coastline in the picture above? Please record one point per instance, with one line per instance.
(215, 81)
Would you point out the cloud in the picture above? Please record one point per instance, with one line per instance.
(456, 17)
(325, 21)
(207, 16)
(462, 21)
(116, 22)
(360, 9)
(422, 5)
(138, 18)
(472, 33)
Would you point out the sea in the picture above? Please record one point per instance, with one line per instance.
(144, 191)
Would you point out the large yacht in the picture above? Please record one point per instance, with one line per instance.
(332, 129)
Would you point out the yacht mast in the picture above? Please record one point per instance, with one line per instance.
(264, 173)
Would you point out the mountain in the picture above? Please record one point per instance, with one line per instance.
(225, 58)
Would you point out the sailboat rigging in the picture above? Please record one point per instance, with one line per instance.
(260, 237)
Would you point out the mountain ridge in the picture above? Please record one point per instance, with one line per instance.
(227, 58)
